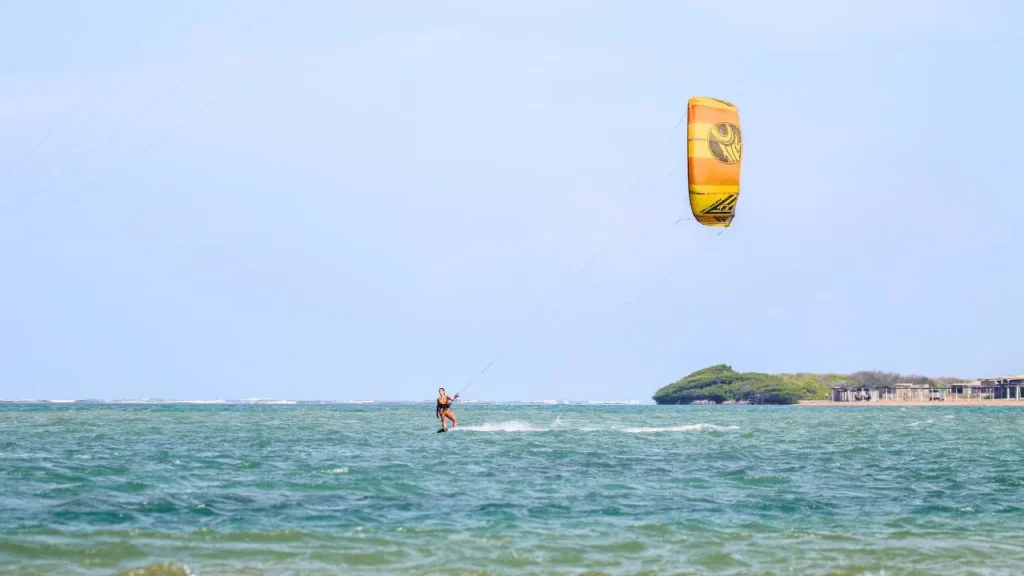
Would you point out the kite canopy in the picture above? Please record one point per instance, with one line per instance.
(714, 151)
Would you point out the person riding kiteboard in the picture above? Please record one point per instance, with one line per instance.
(444, 405)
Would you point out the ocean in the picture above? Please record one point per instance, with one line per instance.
(262, 489)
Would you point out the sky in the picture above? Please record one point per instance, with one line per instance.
(369, 200)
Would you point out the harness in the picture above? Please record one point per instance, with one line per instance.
(442, 407)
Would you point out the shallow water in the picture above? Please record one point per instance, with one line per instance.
(298, 490)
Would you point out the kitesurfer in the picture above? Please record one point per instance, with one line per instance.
(444, 405)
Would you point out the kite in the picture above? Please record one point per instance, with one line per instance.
(714, 150)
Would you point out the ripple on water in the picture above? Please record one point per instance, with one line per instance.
(267, 490)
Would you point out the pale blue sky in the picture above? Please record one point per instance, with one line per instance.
(320, 200)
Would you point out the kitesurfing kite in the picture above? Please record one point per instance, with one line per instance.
(714, 151)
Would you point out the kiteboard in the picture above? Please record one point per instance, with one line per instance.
(441, 430)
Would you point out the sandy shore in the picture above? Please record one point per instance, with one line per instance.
(1008, 403)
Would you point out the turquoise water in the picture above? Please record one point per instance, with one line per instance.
(253, 490)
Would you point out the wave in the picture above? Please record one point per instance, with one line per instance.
(508, 426)
(61, 401)
(613, 402)
(681, 428)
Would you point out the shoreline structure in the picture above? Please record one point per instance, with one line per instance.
(1012, 402)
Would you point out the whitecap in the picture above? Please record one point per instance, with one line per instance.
(508, 426)
(342, 470)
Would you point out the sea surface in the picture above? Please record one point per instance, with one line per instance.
(176, 489)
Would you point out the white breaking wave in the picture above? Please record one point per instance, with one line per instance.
(682, 428)
(613, 402)
(61, 401)
(508, 426)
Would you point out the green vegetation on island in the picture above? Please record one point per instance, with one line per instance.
(720, 383)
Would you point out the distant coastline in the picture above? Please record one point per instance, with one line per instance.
(720, 384)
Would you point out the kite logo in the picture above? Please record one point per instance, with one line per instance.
(721, 207)
(725, 142)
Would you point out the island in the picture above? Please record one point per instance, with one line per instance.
(720, 384)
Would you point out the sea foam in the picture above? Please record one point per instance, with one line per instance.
(508, 426)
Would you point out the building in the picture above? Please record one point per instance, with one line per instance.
(1005, 387)
(900, 392)
(996, 388)
(907, 392)
(854, 394)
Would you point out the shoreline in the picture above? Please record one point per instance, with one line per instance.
(891, 403)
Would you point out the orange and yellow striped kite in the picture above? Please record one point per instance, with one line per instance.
(714, 150)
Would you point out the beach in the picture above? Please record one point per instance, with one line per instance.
(261, 490)
(1012, 403)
